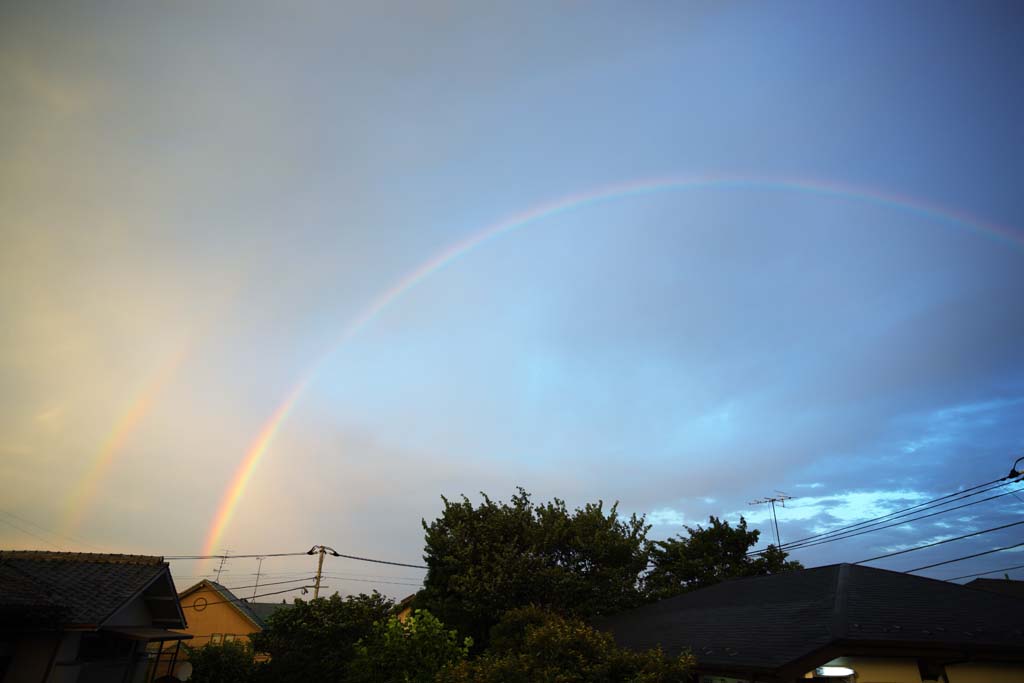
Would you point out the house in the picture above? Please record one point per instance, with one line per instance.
(85, 617)
(216, 615)
(1004, 586)
(840, 623)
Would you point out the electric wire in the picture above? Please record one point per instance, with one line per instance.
(51, 532)
(965, 557)
(850, 531)
(900, 522)
(994, 571)
(271, 583)
(230, 556)
(948, 540)
(367, 559)
(29, 533)
(261, 595)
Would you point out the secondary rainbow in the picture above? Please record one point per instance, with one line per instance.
(81, 498)
(259, 446)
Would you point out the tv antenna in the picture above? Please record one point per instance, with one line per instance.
(779, 498)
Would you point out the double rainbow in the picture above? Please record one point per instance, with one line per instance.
(235, 491)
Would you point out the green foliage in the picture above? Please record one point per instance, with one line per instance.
(532, 645)
(230, 662)
(707, 556)
(488, 559)
(410, 651)
(316, 640)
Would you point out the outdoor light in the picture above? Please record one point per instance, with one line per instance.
(833, 671)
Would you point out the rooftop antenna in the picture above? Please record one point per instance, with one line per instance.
(258, 568)
(779, 498)
(223, 559)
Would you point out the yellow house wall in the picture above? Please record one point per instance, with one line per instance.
(985, 673)
(220, 618)
(882, 669)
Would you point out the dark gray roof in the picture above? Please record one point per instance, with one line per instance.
(1005, 586)
(264, 609)
(81, 589)
(771, 622)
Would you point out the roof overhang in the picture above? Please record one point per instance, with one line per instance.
(146, 634)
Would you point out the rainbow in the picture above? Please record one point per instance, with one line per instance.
(259, 446)
(84, 494)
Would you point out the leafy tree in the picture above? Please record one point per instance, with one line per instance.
(484, 560)
(230, 662)
(707, 556)
(533, 645)
(409, 651)
(316, 640)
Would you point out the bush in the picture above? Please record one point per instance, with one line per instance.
(410, 651)
(230, 662)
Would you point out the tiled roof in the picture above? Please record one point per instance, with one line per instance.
(769, 622)
(84, 588)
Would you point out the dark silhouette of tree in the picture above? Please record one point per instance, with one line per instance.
(709, 555)
(485, 560)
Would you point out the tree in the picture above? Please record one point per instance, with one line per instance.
(230, 662)
(707, 556)
(410, 651)
(485, 560)
(533, 645)
(316, 640)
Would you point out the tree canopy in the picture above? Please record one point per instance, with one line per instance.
(709, 555)
(316, 640)
(411, 651)
(229, 662)
(534, 645)
(485, 560)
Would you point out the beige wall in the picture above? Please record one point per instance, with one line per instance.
(881, 669)
(985, 673)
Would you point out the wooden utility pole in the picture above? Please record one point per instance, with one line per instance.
(319, 570)
(322, 550)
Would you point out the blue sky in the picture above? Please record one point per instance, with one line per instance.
(232, 185)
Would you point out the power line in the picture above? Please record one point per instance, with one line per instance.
(274, 583)
(948, 540)
(333, 554)
(994, 571)
(29, 533)
(965, 557)
(261, 595)
(394, 564)
(902, 521)
(218, 557)
(843, 533)
(393, 583)
(51, 532)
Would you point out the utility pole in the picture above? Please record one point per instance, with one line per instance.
(257, 582)
(322, 550)
(781, 499)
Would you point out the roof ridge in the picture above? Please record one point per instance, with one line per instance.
(837, 624)
(64, 556)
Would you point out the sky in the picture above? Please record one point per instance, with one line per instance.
(276, 275)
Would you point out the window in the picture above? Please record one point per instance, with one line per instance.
(216, 638)
(228, 637)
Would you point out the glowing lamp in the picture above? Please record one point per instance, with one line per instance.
(833, 671)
